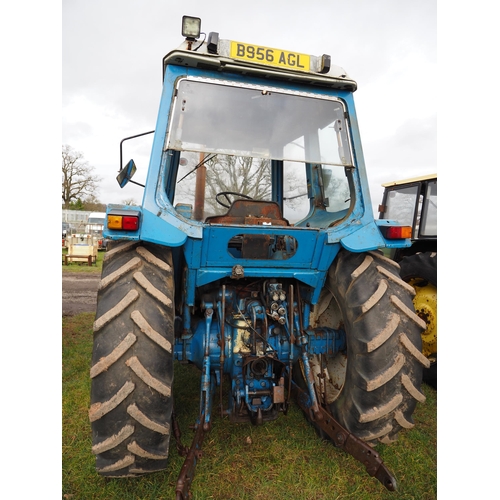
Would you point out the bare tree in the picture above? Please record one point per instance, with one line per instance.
(130, 202)
(78, 179)
(245, 175)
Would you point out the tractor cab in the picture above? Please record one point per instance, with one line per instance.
(265, 125)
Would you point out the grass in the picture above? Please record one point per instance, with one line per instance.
(280, 459)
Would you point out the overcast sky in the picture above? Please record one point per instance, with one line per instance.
(111, 73)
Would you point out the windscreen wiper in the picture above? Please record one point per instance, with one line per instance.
(202, 162)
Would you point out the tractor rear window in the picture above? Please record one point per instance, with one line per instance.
(259, 122)
(254, 143)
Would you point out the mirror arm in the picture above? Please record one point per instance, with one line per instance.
(126, 139)
(136, 183)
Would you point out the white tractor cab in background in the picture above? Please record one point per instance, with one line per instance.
(95, 227)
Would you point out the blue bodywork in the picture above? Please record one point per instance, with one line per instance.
(229, 320)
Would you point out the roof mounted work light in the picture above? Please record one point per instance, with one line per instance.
(191, 27)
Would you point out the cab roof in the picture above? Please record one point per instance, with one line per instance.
(409, 181)
(235, 57)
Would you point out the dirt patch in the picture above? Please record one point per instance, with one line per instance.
(79, 293)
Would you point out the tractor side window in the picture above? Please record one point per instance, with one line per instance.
(428, 225)
(296, 202)
(400, 205)
(298, 192)
(336, 188)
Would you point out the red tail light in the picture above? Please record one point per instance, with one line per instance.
(123, 220)
(396, 232)
(130, 223)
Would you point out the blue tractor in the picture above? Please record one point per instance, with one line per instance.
(255, 255)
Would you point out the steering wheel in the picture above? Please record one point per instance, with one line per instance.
(225, 194)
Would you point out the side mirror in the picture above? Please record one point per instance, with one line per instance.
(126, 173)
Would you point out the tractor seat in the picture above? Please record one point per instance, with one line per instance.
(251, 212)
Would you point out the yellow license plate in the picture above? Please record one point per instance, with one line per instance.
(271, 57)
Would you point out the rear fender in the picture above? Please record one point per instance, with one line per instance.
(369, 237)
(161, 228)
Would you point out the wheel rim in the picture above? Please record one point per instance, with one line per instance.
(425, 303)
(329, 376)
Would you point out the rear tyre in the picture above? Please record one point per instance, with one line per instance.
(132, 361)
(420, 271)
(372, 389)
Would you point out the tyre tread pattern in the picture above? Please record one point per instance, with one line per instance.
(152, 290)
(99, 409)
(384, 360)
(116, 310)
(104, 363)
(132, 361)
(114, 440)
(144, 420)
(146, 377)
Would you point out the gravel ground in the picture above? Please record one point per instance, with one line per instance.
(79, 293)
